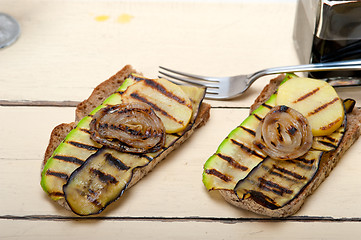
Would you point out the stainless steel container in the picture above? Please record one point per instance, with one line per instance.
(327, 31)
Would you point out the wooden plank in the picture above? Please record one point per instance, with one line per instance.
(138, 229)
(173, 189)
(25, 131)
(64, 51)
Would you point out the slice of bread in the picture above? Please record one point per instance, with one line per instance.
(99, 94)
(328, 162)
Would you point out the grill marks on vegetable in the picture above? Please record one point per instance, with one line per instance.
(309, 94)
(330, 125)
(267, 105)
(162, 90)
(274, 183)
(219, 175)
(319, 108)
(250, 131)
(232, 162)
(116, 162)
(250, 151)
(292, 130)
(56, 194)
(274, 187)
(154, 106)
(329, 142)
(82, 145)
(85, 130)
(258, 117)
(283, 172)
(69, 159)
(104, 177)
(57, 174)
(137, 77)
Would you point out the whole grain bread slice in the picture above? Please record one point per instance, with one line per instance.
(99, 94)
(328, 162)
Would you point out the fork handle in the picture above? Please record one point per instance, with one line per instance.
(313, 67)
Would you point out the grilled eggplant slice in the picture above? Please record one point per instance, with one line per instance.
(349, 104)
(274, 183)
(101, 180)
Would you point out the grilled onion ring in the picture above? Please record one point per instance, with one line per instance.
(131, 127)
(284, 134)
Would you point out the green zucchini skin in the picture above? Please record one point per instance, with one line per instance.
(236, 156)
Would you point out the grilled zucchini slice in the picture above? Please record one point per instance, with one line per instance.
(236, 156)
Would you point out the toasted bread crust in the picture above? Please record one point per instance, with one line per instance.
(56, 136)
(328, 162)
(100, 93)
(267, 91)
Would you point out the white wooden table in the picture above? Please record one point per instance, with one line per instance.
(66, 48)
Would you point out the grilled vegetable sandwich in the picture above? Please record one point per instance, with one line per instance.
(297, 131)
(127, 125)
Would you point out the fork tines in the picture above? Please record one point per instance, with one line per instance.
(183, 78)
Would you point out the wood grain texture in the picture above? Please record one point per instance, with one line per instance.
(173, 189)
(143, 229)
(65, 50)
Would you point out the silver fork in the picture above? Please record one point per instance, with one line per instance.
(233, 86)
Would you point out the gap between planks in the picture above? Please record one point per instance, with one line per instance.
(40, 103)
(43, 103)
(184, 219)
